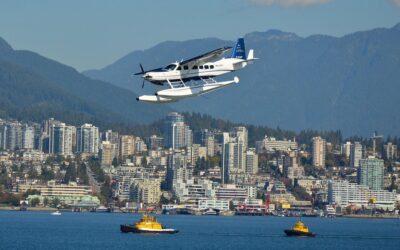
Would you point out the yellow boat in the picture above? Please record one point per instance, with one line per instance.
(147, 224)
(299, 229)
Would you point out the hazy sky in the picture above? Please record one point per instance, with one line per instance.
(90, 34)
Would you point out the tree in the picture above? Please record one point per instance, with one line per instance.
(45, 201)
(35, 201)
(31, 192)
(55, 202)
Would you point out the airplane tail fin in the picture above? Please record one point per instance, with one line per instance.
(250, 56)
(239, 51)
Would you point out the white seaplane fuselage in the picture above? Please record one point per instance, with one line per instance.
(175, 72)
(182, 79)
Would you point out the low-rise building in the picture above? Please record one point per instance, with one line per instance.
(344, 193)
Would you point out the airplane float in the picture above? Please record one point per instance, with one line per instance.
(194, 76)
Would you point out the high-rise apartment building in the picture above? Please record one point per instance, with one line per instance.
(13, 136)
(176, 133)
(233, 158)
(319, 152)
(357, 152)
(87, 139)
(390, 151)
(346, 149)
(108, 153)
(251, 161)
(61, 139)
(126, 146)
(28, 137)
(371, 172)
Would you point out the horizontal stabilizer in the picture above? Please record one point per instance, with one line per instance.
(250, 56)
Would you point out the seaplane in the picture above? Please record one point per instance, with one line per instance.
(195, 76)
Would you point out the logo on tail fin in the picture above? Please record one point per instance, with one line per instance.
(239, 51)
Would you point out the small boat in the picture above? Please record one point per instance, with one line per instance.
(102, 209)
(299, 229)
(56, 213)
(147, 224)
(210, 211)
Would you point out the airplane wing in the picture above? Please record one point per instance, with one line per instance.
(204, 58)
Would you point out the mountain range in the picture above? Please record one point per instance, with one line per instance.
(33, 87)
(321, 82)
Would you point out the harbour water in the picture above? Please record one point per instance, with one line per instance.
(40, 230)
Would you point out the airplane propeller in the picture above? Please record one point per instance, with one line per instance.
(142, 72)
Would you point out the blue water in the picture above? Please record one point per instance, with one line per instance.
(40, 230)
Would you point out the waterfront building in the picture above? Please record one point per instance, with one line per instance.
(87, 139)
(319, 152)
(271, 144)
(231, 192)
(344, 193)
(68, 194)
(371, 173)
(357, 152)
(221, 205)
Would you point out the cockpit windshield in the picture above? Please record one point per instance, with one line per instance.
(170, 67)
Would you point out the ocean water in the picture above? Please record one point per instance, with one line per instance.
(40, 230)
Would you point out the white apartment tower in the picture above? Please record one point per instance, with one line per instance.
(319, 152)
(87, 139)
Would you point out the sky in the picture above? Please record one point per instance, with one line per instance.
(91, 34)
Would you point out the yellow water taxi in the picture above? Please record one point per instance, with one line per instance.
(299, 229)
(147, 224)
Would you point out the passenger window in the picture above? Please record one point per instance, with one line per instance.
(206, 66)
(179, 68)
(194, 67)
(211, 66)
(185, 67)
(201, 67)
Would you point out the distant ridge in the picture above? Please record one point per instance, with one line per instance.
(320, 82)
(35, 87)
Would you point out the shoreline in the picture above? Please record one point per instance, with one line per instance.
(50, 209)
